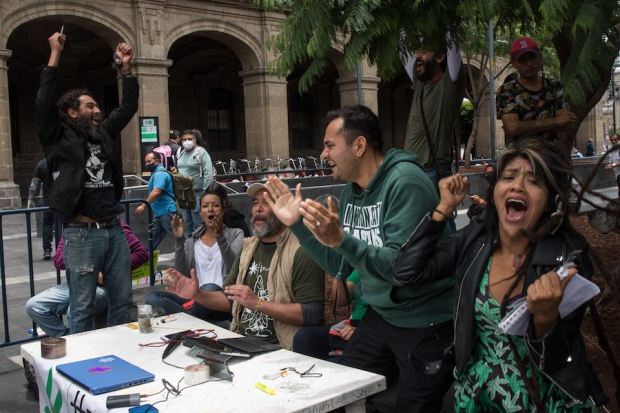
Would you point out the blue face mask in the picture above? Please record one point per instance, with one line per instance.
(150, 167)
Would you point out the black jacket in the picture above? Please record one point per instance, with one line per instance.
(465, 254)
(235, 219)
(65, 149)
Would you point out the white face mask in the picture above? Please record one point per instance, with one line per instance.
(188, 145)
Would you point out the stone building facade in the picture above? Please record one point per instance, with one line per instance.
(201, 64)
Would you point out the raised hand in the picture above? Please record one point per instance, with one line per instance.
(324, 223)
(125, 53)
(283, 203)
(216, 221)
(57, 44)
(177, 226)
(452, 191)
(181, 285)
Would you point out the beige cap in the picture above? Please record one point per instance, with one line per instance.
(254, 188)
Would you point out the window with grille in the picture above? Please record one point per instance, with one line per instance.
(300, 121)
(220, 106)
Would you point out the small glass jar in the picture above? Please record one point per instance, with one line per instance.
(145, 314)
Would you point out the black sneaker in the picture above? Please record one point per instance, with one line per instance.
(47, 255)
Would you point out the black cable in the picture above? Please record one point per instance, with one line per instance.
(171, 365)
(172, 389)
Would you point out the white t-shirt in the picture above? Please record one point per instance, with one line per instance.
(208, 263)
(614, 157)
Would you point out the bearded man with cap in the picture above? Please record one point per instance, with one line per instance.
(532, 104)
(273, 288)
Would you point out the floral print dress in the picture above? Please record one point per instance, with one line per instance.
(491, 381)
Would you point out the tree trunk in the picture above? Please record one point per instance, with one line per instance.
(473, 136)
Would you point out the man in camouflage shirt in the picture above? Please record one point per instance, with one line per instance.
(532, 104)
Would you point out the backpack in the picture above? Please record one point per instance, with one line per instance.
(166, 155)
(183, 187)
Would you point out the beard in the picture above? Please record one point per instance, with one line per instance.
(430, 68)
(271, 225)
(84, 124)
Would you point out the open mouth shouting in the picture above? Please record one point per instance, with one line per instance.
(515, 209)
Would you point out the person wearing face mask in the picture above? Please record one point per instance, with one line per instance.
(161, 198)
(193, 160)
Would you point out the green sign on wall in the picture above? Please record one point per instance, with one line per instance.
(148, 130)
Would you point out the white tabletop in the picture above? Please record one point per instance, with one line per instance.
(338, 386)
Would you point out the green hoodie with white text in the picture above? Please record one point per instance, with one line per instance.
(377, 221)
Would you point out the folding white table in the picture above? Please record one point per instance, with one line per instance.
(339, 385)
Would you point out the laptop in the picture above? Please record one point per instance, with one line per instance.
(250, 345)
(244, 345)
(105, 374)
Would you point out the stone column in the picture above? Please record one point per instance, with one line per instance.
(9, 191)
(483, 141)
(153, 78)
(587, 129)
(348, 87)
(266, 114)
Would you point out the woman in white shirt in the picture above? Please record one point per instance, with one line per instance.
(210, 251)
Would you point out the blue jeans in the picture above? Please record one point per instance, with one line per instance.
(162, 225)
(192, 218)
(47, 308)
(87, 252)
(171, 303)
(432, 174)
(313, 342)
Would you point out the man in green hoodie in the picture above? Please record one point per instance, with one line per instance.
(386, 197)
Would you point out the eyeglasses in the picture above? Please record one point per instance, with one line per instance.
(302, 374)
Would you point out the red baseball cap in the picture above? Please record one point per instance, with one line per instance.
(522, 45)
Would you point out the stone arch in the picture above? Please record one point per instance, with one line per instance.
(246, 46)
(336, 56)
(104, 24)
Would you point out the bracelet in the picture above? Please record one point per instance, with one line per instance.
(258, 305)
(127, 73)
(452, 215)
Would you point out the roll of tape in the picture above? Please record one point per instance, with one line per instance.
(53, 348)
(196, 374)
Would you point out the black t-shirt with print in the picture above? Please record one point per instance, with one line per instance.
(307, 279)
(98, 200)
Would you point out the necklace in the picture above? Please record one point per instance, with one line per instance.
(208, 249)
(516, 263)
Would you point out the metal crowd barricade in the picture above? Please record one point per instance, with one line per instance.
(27, 212)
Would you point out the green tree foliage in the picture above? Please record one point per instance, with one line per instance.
(466, 119)
(383, 31)
(583, 33)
